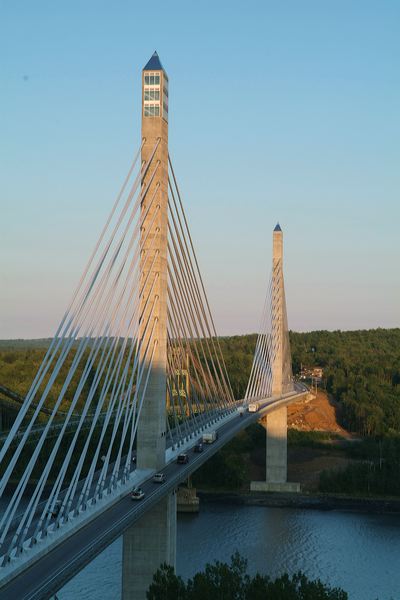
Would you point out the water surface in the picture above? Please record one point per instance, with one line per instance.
(358, 552)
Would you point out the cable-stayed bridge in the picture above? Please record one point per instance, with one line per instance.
(133, 377)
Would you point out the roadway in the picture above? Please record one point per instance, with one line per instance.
(61, 563)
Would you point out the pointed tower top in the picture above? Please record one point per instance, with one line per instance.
(277, 227)
(154, 64)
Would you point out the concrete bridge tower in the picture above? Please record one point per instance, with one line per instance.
(152, 540)
(275, 423)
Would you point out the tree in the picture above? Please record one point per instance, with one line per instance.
(222, 581)
(166, 585)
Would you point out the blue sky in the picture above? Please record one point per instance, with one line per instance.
(279, 111)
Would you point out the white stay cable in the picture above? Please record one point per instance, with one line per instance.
(64, 353)
(11, 508)
(196, 311)
(198, 271)
(198, 301)
(178, 285)
(56, 341)
(81, 349)
(178, 305)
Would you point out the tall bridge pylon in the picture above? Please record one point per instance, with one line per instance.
(152, 541)
(271, 374)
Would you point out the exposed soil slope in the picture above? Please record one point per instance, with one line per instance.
(306, 463)
(319, 414)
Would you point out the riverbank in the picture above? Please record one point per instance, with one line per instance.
(375, 505)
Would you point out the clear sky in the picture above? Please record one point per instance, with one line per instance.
(279, 111)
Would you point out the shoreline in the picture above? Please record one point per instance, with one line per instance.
(374, 505)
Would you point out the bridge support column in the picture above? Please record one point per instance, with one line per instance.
(152, 540)
(275, 423)
(146, 545)
(276, 450)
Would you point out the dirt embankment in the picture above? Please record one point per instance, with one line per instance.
(319, 414)
(305, 463)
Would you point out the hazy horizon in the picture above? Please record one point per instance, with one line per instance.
(38, 339)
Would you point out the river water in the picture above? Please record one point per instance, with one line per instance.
(358, 552)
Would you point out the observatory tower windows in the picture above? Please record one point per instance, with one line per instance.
(151, 94)
(155, 95)
(152, 79)
(151, 110)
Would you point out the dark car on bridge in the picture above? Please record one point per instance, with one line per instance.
(182, 459)
(198, 447)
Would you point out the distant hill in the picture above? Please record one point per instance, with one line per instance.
(24, 344)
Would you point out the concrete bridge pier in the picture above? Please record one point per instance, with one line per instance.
(275, 424)
(146, 545)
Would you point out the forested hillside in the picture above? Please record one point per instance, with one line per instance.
(361, 370)
(20, 361)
